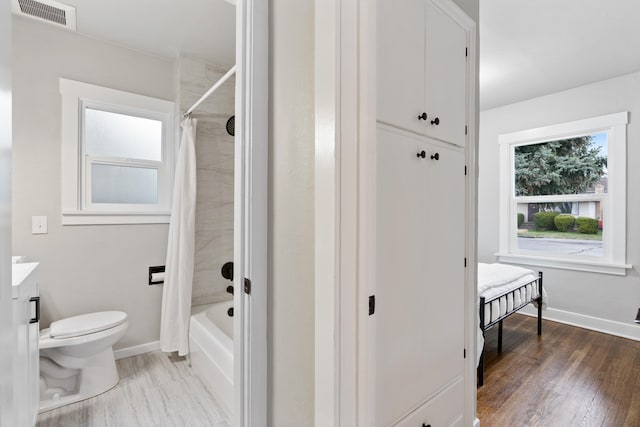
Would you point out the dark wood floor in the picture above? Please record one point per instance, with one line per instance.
(568, 377)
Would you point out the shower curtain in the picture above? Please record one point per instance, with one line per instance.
(176, 293)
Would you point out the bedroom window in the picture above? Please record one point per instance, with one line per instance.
(563, 191)
(116, 156)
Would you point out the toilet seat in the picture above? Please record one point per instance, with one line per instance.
(85, 324)
(46, 341)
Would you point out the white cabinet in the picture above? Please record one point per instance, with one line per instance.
(420, 241)
(422, 69)
(421, 192)
(26, 373)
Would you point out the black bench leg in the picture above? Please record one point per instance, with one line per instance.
(481, 370)
(540, 303)
(481, 363)
(500, 337)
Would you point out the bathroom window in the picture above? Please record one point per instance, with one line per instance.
(563, 195)
(117, 159)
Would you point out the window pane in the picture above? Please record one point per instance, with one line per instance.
(123, 184)
(567, 166)
(563, 228)
(119, 135)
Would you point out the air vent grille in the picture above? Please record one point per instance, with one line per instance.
(49, 11)
(43, 11)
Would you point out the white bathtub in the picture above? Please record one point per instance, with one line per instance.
(211, 345)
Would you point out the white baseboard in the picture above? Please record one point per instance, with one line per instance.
(136, 350)
(630, 331)
(476, 423)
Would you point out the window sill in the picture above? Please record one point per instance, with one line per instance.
(108, 218)
(566, 264)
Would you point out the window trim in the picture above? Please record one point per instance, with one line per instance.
(76, 207)
(614, 234)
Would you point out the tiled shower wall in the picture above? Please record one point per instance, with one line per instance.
(214, 159)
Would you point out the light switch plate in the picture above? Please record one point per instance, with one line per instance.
(38, 225)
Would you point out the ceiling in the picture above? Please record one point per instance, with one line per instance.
(204, 29)
(527, 49)
(534, 48)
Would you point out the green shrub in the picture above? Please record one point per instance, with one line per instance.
(520, 219)
(587, 225)
(564, 222)
(544, 220)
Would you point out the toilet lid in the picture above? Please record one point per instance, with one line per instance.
(86, 324)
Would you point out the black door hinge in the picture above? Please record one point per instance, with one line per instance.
(465, 353)
(466, 51)
(372, 304)
(465, 129)
(465, 170)
(465, 262)
(247, 286)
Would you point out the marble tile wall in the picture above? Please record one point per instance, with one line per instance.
(214, 158)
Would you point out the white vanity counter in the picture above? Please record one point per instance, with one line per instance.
(23, 283)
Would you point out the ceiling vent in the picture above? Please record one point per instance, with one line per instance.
(49, 11)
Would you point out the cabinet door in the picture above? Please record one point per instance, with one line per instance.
(21, 387)
(420, 273)
(443, 410)
(34, 372)
(400, 63)
(446, 76)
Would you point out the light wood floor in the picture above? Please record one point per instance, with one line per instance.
(154, 390)
(568, 377)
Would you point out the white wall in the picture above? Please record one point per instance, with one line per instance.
(605, 297)
(291, 224)
(82, 268)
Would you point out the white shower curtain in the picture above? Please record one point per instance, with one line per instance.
(176, 293)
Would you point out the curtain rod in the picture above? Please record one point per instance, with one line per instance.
(210, 91)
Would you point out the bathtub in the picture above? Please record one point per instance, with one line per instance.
(211, 350)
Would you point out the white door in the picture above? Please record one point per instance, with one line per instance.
(419, 328)
(6, 325)
(400, 69)
(446, 76)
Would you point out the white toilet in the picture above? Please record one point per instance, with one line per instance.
(76, 357)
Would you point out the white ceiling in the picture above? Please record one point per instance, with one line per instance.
(527, 49)
(200, 28)
(534, 48)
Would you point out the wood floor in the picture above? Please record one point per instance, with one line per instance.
(568, 377)
(154, 390)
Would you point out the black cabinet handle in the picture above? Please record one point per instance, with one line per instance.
(422, 116)
(435, 156)
(37, 318)
(435, 121)
(421, 154)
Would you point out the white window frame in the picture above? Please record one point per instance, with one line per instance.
(613, 260)
(77, 208)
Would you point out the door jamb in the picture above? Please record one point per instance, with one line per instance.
(8, 335)
(345, 126)
(250, 213)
